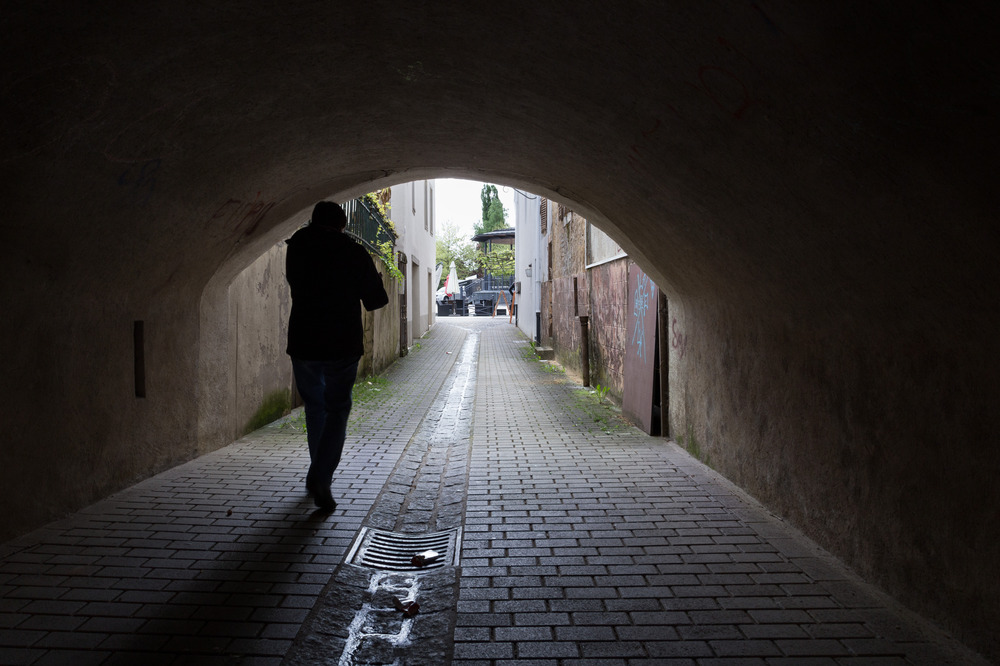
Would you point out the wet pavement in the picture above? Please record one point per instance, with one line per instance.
(569, 538)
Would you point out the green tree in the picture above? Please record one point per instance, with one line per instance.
(488, 195)
(498, 261)
(451, 246)
(494, 214)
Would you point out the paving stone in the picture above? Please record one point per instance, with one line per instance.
(72, 658)
(475, 634)
(552, 650)
(541, 633)
(757, 631)
(700, 632)
(66, 639)
(657, 632)
(484, 651)
(582, 545)
(745, 648)
(608, 650)
(813, 648)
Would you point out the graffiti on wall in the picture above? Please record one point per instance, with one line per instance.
(642, 301)
(678, 339)
(242, 216)
(640, 355)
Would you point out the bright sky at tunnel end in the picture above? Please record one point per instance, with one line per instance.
(457, 202)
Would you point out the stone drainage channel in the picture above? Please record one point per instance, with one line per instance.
(383, 608)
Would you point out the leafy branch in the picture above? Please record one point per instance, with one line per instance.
(498, 261)
(379, 201)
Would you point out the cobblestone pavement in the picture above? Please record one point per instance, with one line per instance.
(581, 541)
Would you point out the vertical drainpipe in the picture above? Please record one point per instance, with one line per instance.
(585, 349)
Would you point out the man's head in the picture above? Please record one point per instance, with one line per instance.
(329, 214)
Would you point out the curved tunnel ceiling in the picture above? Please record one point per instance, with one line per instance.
(768, 154)
(813, 185)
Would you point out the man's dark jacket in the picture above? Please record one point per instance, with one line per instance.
(329, 273)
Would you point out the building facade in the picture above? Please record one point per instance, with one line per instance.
(412, 212)
(581, 295)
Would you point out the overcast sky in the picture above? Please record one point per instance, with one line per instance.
(457, 202)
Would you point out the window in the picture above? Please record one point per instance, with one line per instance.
(600, 246)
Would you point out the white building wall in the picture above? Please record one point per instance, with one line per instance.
(412, 211)
(527, 262)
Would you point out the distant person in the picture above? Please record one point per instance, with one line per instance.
(329, 273)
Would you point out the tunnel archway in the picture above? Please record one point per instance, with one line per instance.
(218, 419)
(812, 184)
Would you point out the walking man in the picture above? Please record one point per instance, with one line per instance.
(329, 273)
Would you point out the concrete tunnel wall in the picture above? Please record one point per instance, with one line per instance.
(812, 186)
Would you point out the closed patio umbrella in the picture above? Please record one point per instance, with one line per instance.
(451, 283)
(451, 289)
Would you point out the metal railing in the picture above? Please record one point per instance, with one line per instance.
(496, 282)
(367, 225)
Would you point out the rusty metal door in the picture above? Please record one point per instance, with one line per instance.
(640, 349)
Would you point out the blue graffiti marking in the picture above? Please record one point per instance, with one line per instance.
(641, 299)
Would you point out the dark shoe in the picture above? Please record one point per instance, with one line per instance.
(323, 498)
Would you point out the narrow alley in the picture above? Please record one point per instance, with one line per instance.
(562, 536)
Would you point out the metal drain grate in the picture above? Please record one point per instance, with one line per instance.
(394, 551)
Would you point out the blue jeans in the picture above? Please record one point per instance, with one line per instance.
(325, 387)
